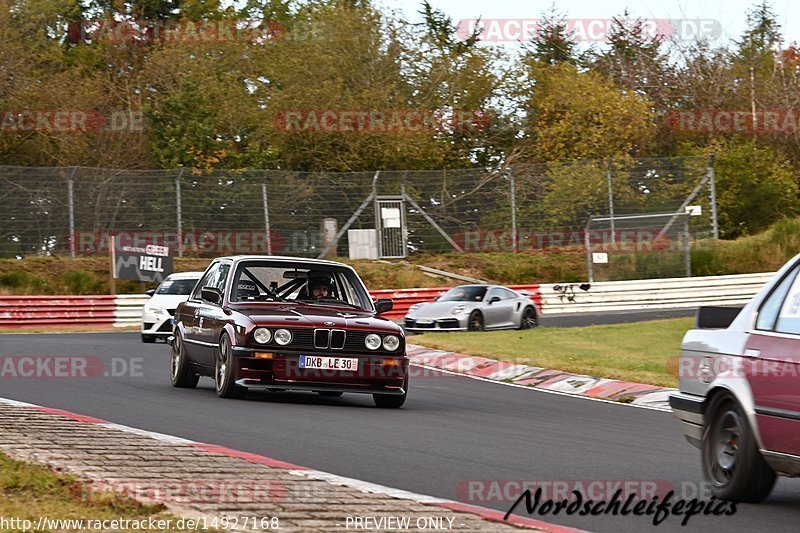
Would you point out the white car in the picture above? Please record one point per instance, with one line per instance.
(160, 308)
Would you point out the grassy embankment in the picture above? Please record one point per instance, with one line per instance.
(758, 253)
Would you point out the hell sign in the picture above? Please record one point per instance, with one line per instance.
(148, 262)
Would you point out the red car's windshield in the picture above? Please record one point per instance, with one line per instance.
(317, 284)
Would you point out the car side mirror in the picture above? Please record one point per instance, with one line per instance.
(211, 294)
(150, 292)
(383, 305)
(494, 299)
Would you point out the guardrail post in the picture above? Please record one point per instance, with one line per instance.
(611, 201)
(687, 248)
(71, 211)
(178, 211)
(266, 215)
(513, 186)
(588, 242)
(713, 194)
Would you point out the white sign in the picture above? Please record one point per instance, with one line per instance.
(599, 257)
(694, 210)
(391, 217)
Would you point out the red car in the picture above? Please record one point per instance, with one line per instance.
(739, 395)
(283, 323)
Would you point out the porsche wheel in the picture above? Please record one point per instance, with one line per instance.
(223, 372)
(529, 319)
(182, 375)
(475, 322)
(731, 460)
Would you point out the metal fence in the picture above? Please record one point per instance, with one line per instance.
(72, 210)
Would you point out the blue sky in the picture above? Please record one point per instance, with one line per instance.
(730, 14)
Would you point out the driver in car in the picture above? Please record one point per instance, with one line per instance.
(319, 288)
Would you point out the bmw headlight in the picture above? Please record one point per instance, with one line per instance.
(373, 342)
(460, 308)
(391, 342)
(283, 336)
(263, 335)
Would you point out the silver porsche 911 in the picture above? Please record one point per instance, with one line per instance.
(474, 308)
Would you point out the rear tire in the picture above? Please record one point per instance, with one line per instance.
(529, 319)
(731, 460)
(223, 372)
(475, 322)
(392, 401)
(148, 338)
(182, 375)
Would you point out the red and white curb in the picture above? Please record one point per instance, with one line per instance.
(637, 394)
(301, 471)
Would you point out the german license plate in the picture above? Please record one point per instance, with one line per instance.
(424, 321)
(347, 364)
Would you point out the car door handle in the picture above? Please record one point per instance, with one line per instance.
(752, 353)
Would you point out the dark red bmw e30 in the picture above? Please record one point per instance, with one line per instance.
(288, 323)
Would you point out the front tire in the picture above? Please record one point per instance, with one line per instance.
(475, 322)
(181, 372)
(392, 401)
(731, 460)
(223, 372)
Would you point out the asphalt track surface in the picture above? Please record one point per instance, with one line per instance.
(452, 430)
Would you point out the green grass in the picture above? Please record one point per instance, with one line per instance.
(645, 352)
(29, 491)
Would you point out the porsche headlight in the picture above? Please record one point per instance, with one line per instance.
(283, 336)
(373, 342)
(262, 335)
(391, 342)
(460, 308)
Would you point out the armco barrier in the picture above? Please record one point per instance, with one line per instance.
(20, 311)
(673, 293)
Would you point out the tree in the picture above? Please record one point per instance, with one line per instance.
(580, 115)
(755, 187)
(552, 42)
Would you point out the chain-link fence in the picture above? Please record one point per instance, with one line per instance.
(524, 208)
